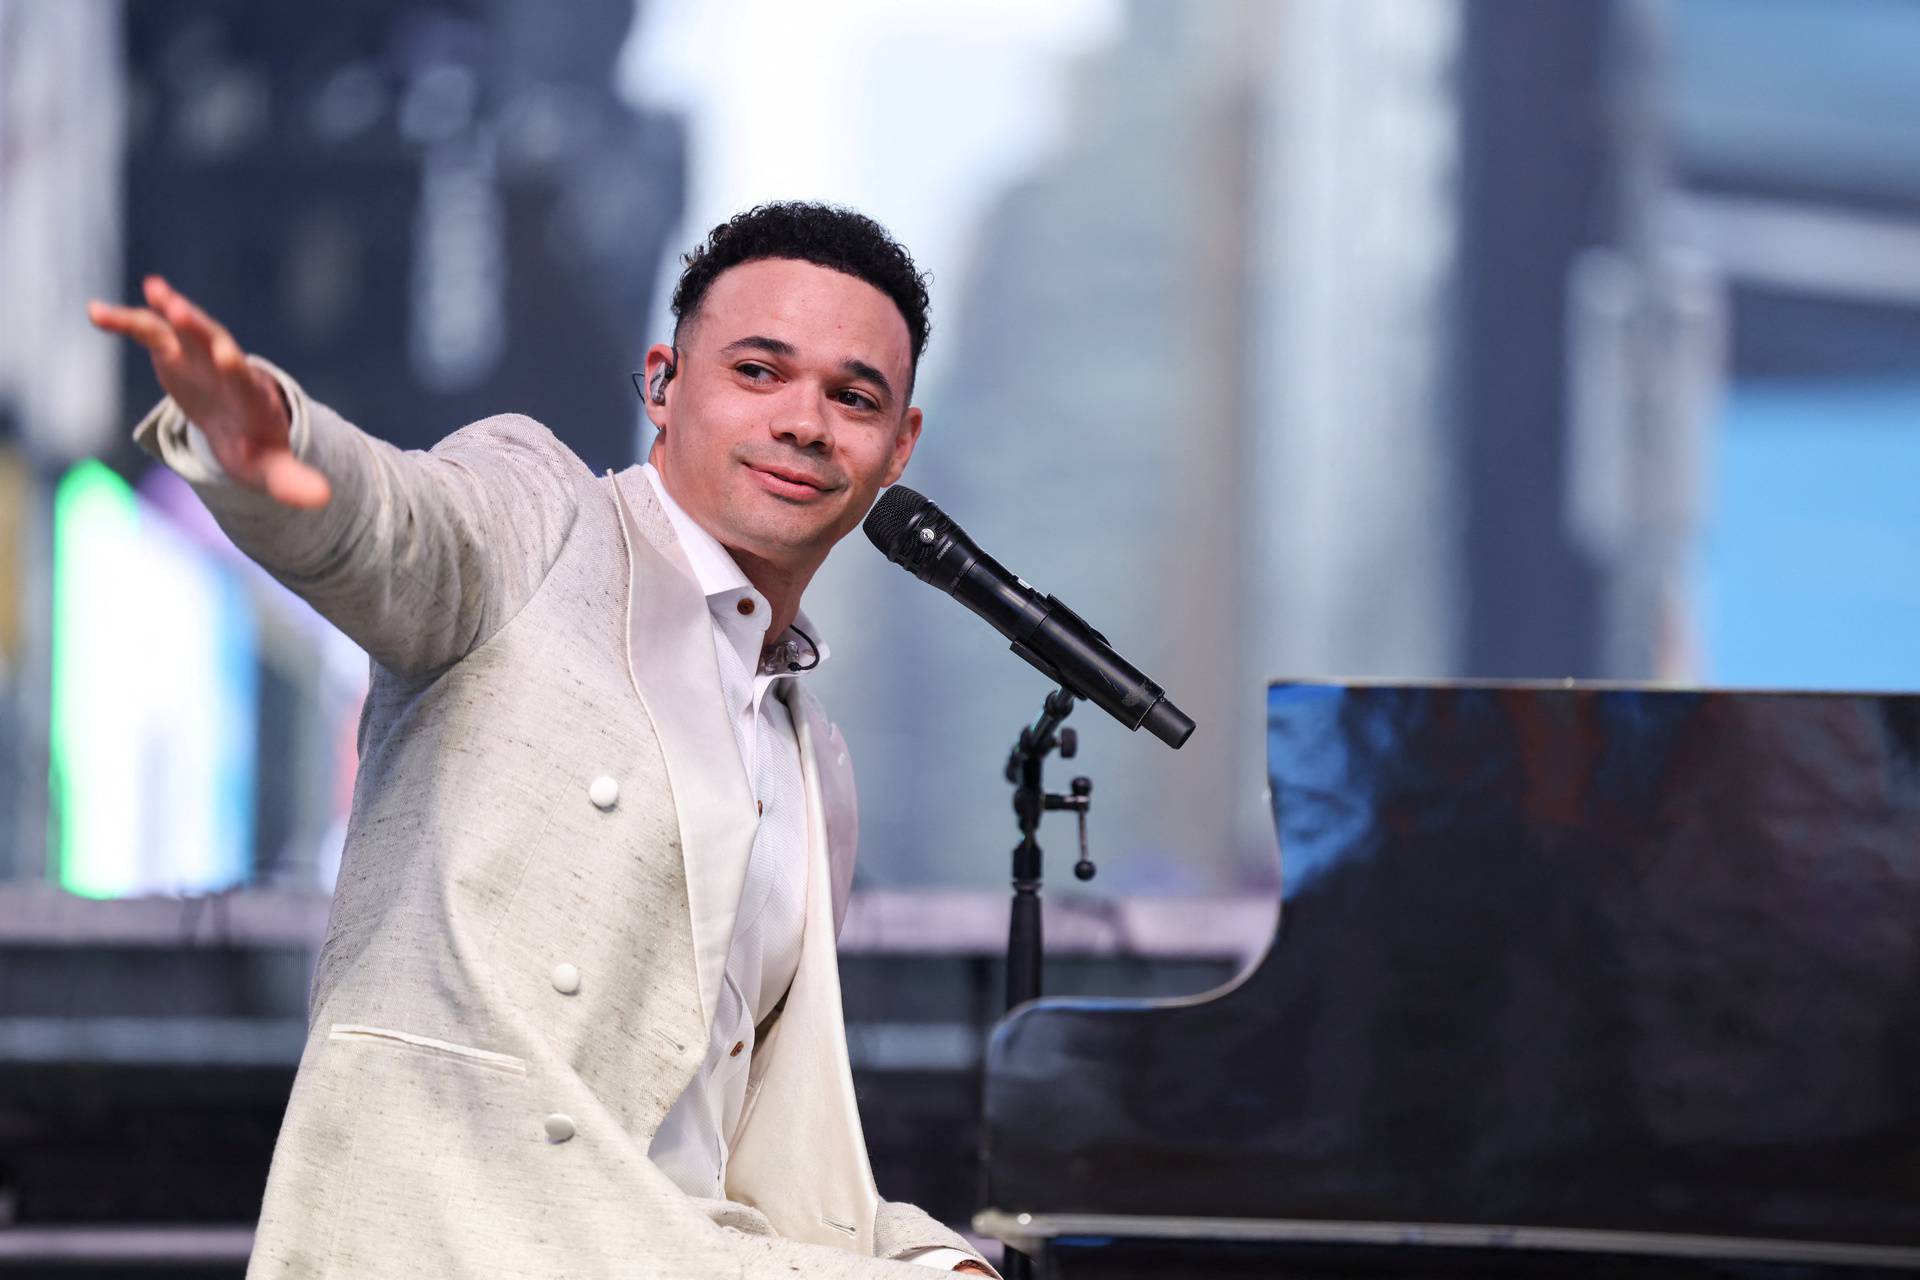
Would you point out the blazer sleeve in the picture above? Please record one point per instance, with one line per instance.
(420, 556)
(901, 1229)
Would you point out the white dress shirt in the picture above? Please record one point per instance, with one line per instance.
(693, 1141)
(692, 1144)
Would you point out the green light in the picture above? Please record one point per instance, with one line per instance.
(96, 522)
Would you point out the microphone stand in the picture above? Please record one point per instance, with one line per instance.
(1031, 801)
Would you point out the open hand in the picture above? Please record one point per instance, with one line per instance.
(236, 405)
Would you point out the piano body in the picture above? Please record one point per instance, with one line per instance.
(1568, 980)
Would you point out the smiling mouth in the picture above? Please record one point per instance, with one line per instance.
(784, 478)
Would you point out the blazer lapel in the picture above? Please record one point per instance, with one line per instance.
(671, 661)
(800, 1156)
(839, 805)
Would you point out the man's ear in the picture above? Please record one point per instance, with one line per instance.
(658, 379)
(903, 443)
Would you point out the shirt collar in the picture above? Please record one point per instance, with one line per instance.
(722, 582)
(713, 569)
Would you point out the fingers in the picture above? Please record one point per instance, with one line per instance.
(138, 323)
(169, 325)
(193, 325)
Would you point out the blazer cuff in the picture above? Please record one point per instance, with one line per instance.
(940, 1256)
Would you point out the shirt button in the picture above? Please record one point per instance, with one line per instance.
(566, 979)
(738, 1045)
(604, 792)
(745, 605)
(559, 1127)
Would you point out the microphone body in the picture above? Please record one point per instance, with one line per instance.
(921, 538)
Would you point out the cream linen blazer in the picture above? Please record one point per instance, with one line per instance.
(547, 778)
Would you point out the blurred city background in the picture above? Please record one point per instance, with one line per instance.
(1280, 338)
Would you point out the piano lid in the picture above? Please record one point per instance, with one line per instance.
(1583, 958)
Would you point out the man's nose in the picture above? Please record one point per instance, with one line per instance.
(802, 420)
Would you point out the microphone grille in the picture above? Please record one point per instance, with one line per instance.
(888, 520)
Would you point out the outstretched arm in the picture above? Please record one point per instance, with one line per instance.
(419, 557)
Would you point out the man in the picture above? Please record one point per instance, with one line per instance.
(578, 1010)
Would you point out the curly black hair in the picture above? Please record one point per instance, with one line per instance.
(823, 234)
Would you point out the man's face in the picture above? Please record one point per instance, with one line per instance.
(787, 410)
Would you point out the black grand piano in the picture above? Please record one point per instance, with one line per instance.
(1569, 980)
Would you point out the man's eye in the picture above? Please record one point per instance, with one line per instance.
(753, 371)
(857, 399)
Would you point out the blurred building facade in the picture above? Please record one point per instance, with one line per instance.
(1795, 148)
(1090, 433)
(428, 213)
(1424, 339)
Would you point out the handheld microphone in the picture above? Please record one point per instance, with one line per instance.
(922, 539)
